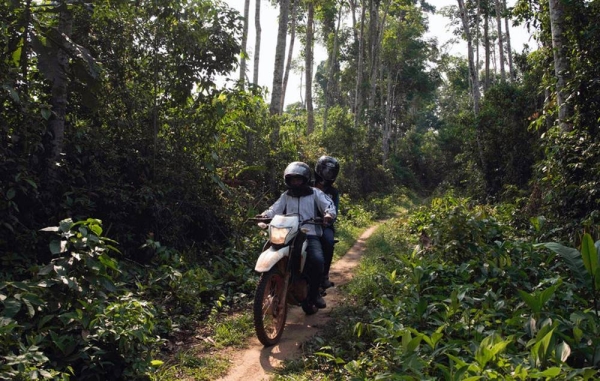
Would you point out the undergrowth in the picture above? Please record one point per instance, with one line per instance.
(452, 291)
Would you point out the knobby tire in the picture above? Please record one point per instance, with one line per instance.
(270, 307)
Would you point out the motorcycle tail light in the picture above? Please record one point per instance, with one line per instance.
(278, 235)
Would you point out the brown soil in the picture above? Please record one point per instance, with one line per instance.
(257, 363)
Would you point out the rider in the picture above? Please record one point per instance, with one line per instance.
(326, 171)
(308, 202)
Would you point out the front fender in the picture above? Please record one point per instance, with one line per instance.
(270, 257)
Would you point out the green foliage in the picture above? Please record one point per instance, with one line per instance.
(71, 319)
(569, 178)
(506, 311)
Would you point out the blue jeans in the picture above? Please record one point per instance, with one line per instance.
(327, 241)
(314, 265)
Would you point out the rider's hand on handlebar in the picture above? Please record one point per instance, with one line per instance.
(327, 220)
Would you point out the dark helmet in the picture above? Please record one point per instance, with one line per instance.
(297, 169)
(327, 169)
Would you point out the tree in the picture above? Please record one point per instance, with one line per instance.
(244, 40)
(276, 94)
(473, 75)
(257, 41)
(310, 123)
(288, 65)
(500, 39)
(561, 66)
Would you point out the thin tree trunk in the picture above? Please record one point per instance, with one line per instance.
(486, 37)
(310, 117)
(59, 96)
(372, 65)
(332, 64)
(472, 69)
(24, 63)
(279, 60)
(500, 42)
(244, 41)
(511, 73)
(386, 133)
(376, 44)
(256, 41)
(288, 64)
(561, 65)
(473, 75)
(478, 35)
(359, 69)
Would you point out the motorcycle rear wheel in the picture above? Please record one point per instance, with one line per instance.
(270, 307)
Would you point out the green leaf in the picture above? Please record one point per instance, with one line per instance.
(573, 260)
(46, 113)
(589, 255)
(563, 351)
(10, 194)
(11, 307)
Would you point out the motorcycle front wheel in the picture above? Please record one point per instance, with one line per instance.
(270, 307)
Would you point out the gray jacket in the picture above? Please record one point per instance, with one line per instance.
(306, 206)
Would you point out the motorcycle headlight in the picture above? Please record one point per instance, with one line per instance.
(278, 235)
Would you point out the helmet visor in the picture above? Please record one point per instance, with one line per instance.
(328, 172)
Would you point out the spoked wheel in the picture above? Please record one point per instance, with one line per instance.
(270, 307)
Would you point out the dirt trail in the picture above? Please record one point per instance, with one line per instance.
(257, 363)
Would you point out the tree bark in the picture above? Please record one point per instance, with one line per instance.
(359, 69)
(511, 72)
(288, 64)
(59, 96)
(276, 89)
(472, 68)
(256, 41)
(561, 65)
(329, 96)
(310, 118)
(486, 38)
(244, 41)
(500, 42)
(473, 75)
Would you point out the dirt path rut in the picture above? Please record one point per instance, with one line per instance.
(257, 363)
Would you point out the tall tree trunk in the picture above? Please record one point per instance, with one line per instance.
(561, 65)
(24, 63)
(387, 127)
(478, 36)
(500, 42)
(472, 69)
(360, 69)
(511, 72)
(310, 117)
(486, 38)
(284, 7)
(376, 45)
(244, 41)
(59, 95)
(288, 64)
(473, 75)
(256, 41)
(329, 90)
(372, 44)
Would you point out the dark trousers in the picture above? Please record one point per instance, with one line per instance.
(314, 265)
(327, 243)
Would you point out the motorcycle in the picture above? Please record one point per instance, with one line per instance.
(282, 280)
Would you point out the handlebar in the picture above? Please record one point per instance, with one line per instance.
(310, 221)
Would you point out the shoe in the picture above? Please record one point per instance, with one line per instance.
(327, 284)
(320, 302)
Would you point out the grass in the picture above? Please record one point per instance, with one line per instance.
(202, 361)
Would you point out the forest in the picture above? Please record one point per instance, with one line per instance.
(128, 173)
